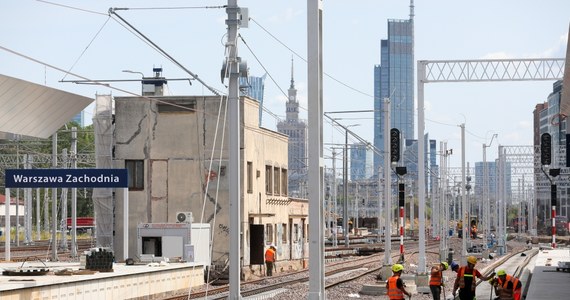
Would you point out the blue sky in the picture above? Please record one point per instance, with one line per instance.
(79, 36)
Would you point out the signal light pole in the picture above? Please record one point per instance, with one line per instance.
(401, 171)
(546, 159)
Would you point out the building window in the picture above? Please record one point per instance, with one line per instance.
(284, 190)
(250, 177)
(295, 232)
(276, 181)
(268, 233)
(268, 180)
(284, 233)
(135, 172)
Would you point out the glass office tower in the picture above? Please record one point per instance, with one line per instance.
(394, 79)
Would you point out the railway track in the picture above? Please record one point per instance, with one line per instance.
(42, 250)
(346, 271)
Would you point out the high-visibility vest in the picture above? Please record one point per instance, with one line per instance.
(461, 275)
(436, 278)
(505, 293)
(270, 255)
(394, 293)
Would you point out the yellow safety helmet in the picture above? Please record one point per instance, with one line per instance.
(397, 268)
(472, 260)
(501, 273)
(445, 265)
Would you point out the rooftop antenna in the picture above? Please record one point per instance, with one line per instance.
(412, 10)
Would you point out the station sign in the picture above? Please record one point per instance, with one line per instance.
(66, 178)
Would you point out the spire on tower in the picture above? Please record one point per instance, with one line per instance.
(292, 80)
(412, 10)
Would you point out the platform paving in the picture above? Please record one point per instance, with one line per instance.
(124, 282)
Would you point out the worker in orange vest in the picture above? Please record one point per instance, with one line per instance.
(466, 281)
(270, 256)
(395, 287)
(506, 286)
(436, 279)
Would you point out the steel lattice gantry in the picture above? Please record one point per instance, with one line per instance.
(489, 70)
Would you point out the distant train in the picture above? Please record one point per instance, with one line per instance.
(84, 224)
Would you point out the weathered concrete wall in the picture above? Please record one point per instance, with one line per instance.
(186, 169)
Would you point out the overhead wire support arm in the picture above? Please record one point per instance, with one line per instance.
(112, 11)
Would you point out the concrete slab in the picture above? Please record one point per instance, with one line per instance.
(123, 282)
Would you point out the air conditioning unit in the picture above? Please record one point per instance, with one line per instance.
(184, 217)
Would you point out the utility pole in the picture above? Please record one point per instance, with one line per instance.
(464, 209)
(335, 231)
(315, 113)
(54, 203)
(233, 73)
(345, 188)
(379, 214)
(387, 184)
(486, 198)
(73, 194)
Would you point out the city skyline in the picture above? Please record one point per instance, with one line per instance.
(101, 48)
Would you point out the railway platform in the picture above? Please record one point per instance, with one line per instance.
(145, 281)
(546, 281)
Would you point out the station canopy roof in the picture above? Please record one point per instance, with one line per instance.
(35, 110)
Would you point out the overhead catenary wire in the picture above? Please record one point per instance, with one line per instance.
(87, 47)
(213, 90)
(305, 60)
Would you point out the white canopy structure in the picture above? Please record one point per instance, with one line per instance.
(34, 110)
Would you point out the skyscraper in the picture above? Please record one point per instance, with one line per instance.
(296, 130)
(253, 87)
(394, 79)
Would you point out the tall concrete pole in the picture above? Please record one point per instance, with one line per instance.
(316, 164)
(28, 202)
(74, 194)
(379, 215)
(54, 203)
(421, 170)
(38, 215)
(486, 204)
(234, 148)
(387, 184)
(464, 207)
(442, 232)
(345, 188)
(335, 237)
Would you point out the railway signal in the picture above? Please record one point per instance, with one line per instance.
(545, 149)
(394, 145)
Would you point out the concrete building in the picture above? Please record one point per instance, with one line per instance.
(548, 119)
(360, 162)
(296, 130)
(176, 154)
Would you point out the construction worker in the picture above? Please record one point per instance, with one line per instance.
(436, 279)
(454, 266)
(465, 280)
(270, 255)
(460, 229)
(507, 287)
(395, 286)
